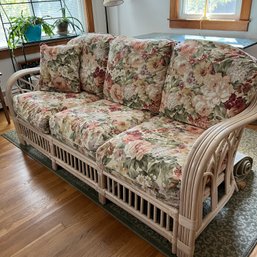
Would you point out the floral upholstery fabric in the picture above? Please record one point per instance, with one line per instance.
(90, 126)
(136, 72)
(59, 68)
(151, 156)
(208, 82)
(95, 50)
(37, 107)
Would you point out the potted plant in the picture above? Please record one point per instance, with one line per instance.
(27, 29)
(63, 23)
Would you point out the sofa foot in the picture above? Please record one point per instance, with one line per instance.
(54, 165)
(21, 140)
(102, 199)
(185, 240)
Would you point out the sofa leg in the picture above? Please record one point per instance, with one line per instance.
(54, 165)
(102, 186)
(186, 239)
(102, 199)
(22, 141)
(18, 131)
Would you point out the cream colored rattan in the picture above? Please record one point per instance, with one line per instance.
(209, 165)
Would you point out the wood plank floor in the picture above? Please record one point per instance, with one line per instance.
(43, 216)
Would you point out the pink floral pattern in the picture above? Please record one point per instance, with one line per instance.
(136, 71)
(95, 50)
(88, 127)
(150, 156)
(59, 68)
(208, 82)
(37, 107)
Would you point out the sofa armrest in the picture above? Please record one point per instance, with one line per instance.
(214, 149)
(21, 82)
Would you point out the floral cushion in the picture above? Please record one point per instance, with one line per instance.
(136, 72)
(95, 50)
(208, 82)
(37, 107)
(86, 128)
(151, 156)
(59, 68)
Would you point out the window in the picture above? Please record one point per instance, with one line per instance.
(40, 8)
(210, 14)
(218, 9)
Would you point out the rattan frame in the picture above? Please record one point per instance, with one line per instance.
(209, 165)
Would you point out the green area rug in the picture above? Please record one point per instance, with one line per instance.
(233, 232)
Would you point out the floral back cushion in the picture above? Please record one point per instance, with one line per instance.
(95, 50)
(136, 72)
(208, 82)
(59, 68)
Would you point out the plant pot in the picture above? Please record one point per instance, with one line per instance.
(33, 33)
(62, 28)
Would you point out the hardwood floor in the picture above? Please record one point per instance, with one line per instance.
(43, 216)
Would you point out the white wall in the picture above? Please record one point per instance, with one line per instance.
(137, 17)
(6, 69)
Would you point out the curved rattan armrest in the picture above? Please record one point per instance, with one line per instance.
(201, 153)
(13, 81)
(215, 146)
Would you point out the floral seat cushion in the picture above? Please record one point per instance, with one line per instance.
(208, 82)
(150, 156)
(88, 127)
(136, 72)
(37, 107)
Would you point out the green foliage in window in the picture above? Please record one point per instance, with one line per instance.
(19, 25)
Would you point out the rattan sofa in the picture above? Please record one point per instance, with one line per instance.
(171, 118)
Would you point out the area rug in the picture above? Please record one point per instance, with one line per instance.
(233, 232)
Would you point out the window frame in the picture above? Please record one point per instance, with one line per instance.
(240, 24)
(34, 48)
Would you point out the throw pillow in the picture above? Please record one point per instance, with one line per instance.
(95, 50)
(59, 68)
(136, 72)
(208, 82)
